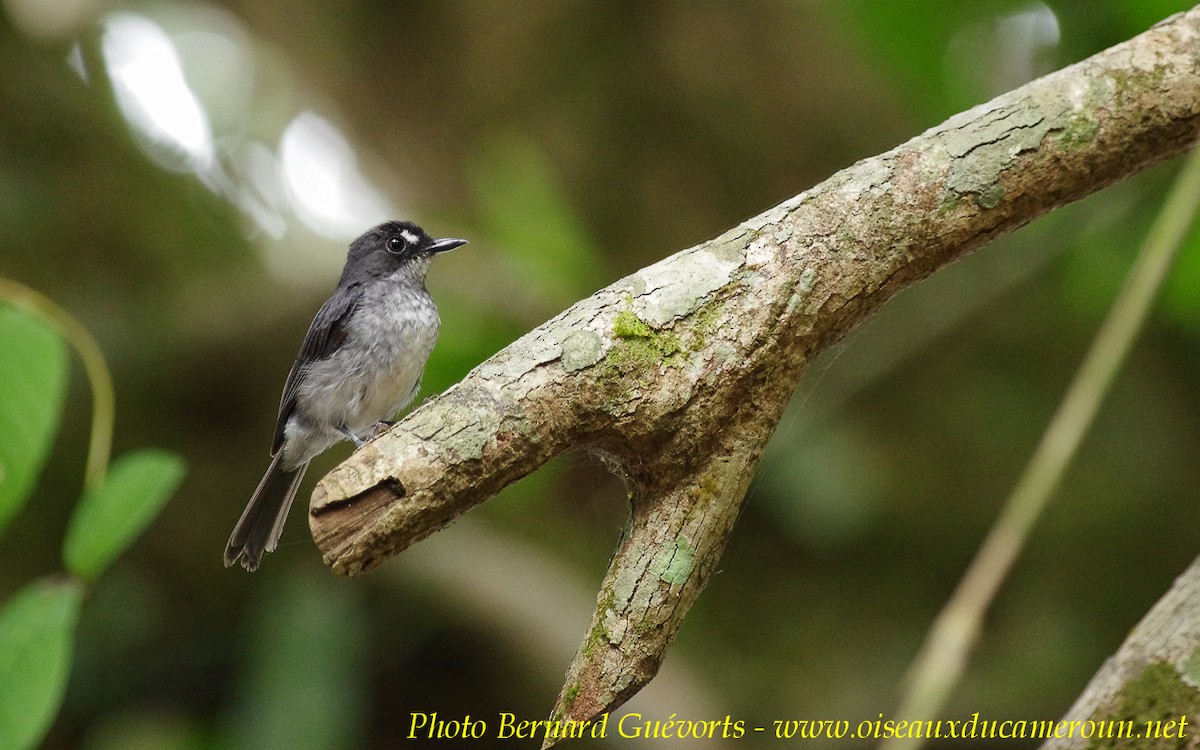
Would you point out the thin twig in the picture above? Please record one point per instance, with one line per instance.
(942, 659)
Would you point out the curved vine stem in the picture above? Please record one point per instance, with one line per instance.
(98, 375)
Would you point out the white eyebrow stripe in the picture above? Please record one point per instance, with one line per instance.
(409, 237)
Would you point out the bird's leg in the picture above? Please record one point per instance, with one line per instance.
(354, 438)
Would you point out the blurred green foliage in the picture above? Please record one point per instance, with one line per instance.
(573, 143)
(36, 629)
(112, 515)
(37, 625)
(33, 376)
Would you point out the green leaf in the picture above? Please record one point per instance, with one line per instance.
(110, 517)
(33, 381)
(37, 629)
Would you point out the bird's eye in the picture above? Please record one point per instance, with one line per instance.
(395, 245)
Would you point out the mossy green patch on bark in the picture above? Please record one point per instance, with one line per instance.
(1148, 711)
(569, 696)
(638, 345)
(1078, 132)
(629, 326)
(599, 635)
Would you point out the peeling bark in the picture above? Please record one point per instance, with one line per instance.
(679, 372)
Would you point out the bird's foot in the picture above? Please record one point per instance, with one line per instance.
(380, 427)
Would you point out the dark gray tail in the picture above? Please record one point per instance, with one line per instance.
(258, 529)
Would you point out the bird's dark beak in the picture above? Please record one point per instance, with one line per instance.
(441, 246)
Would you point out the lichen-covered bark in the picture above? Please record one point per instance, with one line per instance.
(679, 372)
(1153, 677)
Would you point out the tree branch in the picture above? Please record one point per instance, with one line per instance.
(1154, 676)
(678, 373)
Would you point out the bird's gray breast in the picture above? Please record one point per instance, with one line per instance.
(377, 370)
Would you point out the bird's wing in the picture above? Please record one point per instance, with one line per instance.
(325, 336)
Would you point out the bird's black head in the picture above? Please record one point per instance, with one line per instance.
(391, 246)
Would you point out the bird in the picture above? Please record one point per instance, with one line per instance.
(360, 363)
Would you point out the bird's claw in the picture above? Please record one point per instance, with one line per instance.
(380, 427)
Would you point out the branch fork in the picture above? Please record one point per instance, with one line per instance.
(679, 373)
